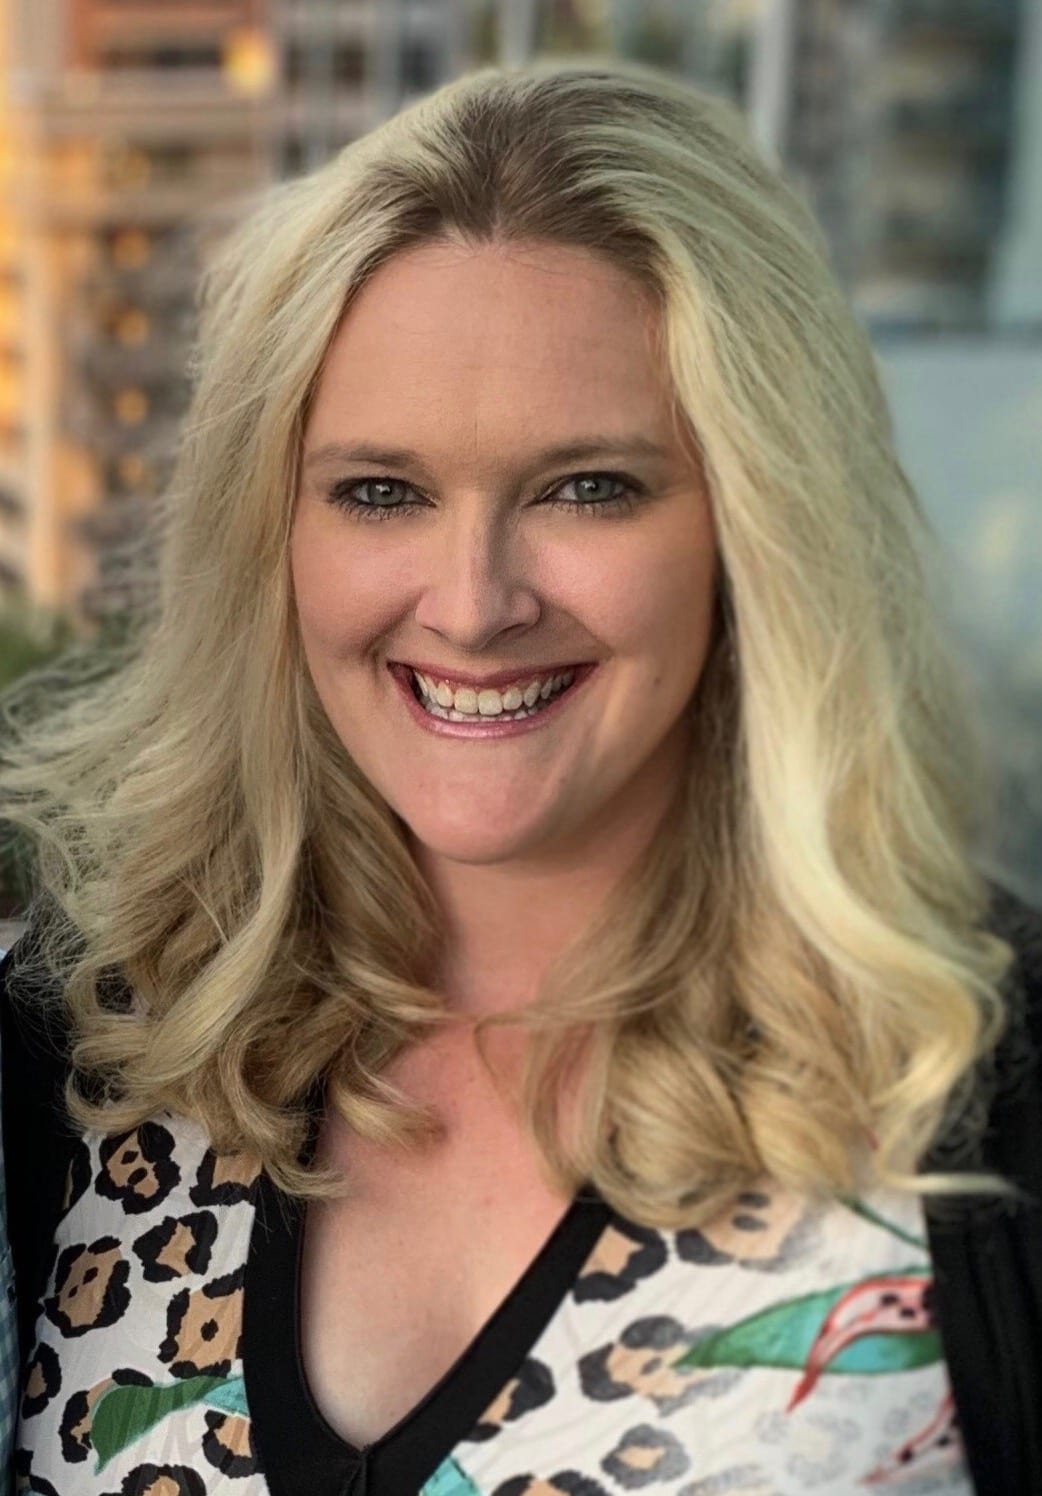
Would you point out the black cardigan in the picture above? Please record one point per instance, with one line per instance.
(987, 1256)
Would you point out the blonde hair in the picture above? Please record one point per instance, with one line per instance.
(798, 964)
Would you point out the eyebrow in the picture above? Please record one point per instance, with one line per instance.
(581, 450)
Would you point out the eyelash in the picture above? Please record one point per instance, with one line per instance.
(340, 496)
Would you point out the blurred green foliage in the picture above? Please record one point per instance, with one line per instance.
(657, 39)
(32, 643)
(26, 645)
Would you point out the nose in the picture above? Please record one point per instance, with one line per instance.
(478, 580)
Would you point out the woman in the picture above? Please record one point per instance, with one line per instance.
(511, 935)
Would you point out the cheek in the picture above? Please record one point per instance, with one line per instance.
(658, 607)
(344, 595)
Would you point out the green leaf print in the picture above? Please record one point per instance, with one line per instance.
(784, 1334)
(123, 1414)
(450, 1480)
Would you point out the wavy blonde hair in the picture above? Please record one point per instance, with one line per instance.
(798, 964)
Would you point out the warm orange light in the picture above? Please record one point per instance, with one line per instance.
(131, 249)
(249, 62)
(131, 406)
(132, 327)
(132, 469)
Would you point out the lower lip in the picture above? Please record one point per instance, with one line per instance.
(493, 729)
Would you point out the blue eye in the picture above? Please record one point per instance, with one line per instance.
(628, 490)
(382, 503)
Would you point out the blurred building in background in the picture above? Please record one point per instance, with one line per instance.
(899, 117)
(343, 67)
(132, 130)
(123, 125)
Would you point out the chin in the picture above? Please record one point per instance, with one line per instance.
(474, 844)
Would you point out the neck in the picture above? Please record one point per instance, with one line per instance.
(505, 930)
(507, 922)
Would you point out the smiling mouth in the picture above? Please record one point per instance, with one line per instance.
(467, 704)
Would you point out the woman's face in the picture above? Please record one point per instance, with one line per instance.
(494, 493)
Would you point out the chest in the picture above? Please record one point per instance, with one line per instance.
(398, 1278)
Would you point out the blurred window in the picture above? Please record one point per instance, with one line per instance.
(132, 327)
(132, 473)
(148, 55)
(133, 167)
(294, 156)
(419, 68)
(12, 505)
(131, 248)
(131, 406)
(347, 64)
(12, 432)
(164, 5)
(172, 161)
(129, 166)
(131, 468)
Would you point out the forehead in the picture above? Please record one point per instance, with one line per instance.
(474, 341)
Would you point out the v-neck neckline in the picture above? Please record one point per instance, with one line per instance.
(299, 1450)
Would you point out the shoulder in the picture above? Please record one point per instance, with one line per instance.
(996, 1124)
(35, 1051)
(38, 1135)
(35, 1036)
(1020, 926)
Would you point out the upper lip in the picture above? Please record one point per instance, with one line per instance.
(489, 682)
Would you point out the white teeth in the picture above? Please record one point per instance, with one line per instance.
(466, 704)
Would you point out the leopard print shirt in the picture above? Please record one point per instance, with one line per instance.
(787, 1349)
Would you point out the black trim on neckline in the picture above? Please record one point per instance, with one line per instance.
(300, 1453)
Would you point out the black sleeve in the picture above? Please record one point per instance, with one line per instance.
(987, 1256)
(37, 1132)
